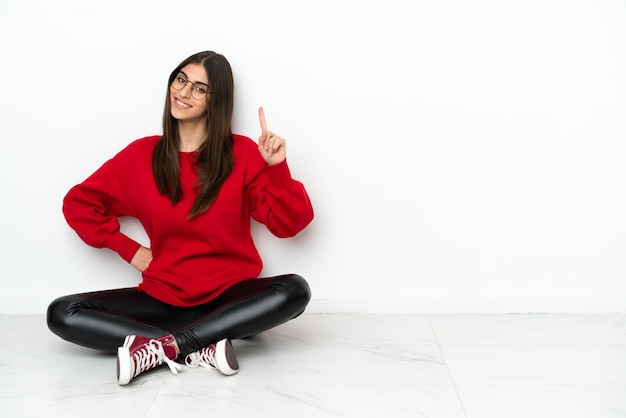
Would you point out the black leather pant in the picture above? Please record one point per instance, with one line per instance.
(101, 320)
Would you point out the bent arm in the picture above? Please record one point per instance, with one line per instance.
(280, 202)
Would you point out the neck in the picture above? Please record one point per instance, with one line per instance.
(192, 135)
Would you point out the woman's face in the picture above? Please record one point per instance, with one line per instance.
(188, 93)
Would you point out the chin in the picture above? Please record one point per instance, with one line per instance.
(185, 117)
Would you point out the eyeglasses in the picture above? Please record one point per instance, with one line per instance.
(198, 90)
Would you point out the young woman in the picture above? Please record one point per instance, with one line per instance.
(194, 190)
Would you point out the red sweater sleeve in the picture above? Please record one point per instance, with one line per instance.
(279, 202)
(92, 207)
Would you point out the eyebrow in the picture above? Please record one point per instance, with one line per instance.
(194, 82)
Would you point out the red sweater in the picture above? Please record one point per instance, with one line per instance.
(193, 260)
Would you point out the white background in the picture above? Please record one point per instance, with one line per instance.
(462, 156)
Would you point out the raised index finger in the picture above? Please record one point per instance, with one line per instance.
(262, 119)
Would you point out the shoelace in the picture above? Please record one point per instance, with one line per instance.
(153, 355)
(204, 358)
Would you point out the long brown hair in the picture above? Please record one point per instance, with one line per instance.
(215, 156)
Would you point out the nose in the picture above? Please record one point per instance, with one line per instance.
(186, 90)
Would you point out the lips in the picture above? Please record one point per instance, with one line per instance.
(181, 105)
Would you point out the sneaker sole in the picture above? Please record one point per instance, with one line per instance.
(225, 358)
(124, 371)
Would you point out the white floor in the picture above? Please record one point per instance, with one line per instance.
(342, 365)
